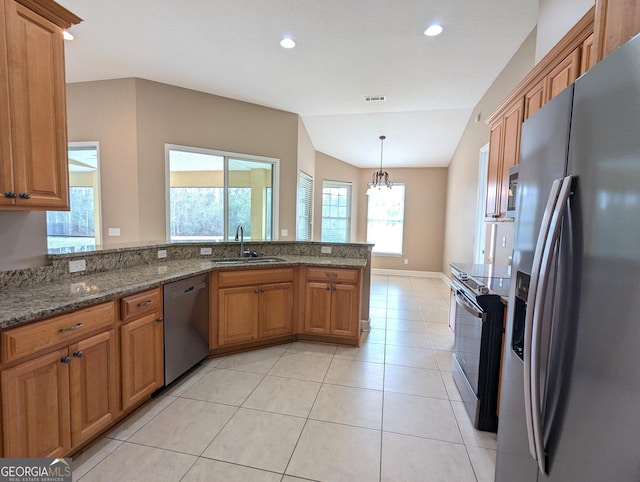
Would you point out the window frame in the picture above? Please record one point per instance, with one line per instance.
(97, 208)
(305, 182)
(226, 155)
(337, 184)
(369, 204)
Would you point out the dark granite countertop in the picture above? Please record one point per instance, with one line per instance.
(24, 304)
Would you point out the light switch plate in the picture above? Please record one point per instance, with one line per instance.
(77, 265)
(205, 251)
(284, 233)
(325, 249)
(162, 253)
(114, 231)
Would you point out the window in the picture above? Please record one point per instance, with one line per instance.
(210, 193)
(305, 207)
(385, 220)
(80, 226)
(336, 211)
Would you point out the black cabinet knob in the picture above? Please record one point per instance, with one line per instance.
(11, 194)
(159, 319)
(78, 354)
(66, 359)
(25, 195)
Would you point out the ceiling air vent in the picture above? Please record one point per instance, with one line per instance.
(375, 98)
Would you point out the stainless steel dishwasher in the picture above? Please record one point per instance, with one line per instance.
(186, 325)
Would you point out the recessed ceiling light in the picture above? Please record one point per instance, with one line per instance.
(67, 35)
(287, 43)
(433, 30)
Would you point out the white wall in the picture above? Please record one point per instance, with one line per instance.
(555, 19)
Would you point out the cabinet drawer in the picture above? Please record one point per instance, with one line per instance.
(27, 340)
(324, 274)
(134, 306)
(251, 277)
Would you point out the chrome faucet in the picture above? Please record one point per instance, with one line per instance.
(240, 229)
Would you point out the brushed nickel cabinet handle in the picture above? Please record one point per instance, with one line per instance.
(71, 328)
(146, 303)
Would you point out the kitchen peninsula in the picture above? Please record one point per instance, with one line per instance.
(92, 341)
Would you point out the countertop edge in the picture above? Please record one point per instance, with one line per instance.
(55, 298)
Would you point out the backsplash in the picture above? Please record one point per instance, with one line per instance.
(107, 259)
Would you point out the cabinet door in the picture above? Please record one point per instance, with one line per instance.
(94, 389)
(617, 21)
(6, 159)
(317, 308)
(35, 408)
(276, 310)
(535, 98)
(564, 74)
(38, 109)
(587, 57)
(512, 128)
(238, 315)
(492, 207)
(141, 358)
(345, 310)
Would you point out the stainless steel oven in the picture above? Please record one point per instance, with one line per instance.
(477, 349)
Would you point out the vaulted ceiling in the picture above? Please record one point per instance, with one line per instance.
(346, 50)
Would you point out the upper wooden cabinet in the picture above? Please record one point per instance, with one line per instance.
(33, 126)
(504, 149)
(564, 74)
(616, 22)
(557, 70)
(588, 58)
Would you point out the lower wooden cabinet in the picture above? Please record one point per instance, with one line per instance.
(59, 400)
(141, 346)
(94, 386)
(35, 408)
(253, 305)
(332, 303)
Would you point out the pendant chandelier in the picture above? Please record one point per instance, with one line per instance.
(379, 179)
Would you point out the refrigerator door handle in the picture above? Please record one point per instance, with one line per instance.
(545, 271)
(528, 324)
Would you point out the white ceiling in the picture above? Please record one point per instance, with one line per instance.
(346, 50)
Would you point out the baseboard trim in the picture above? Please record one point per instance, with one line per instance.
(403, 272)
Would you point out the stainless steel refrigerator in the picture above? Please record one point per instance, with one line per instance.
(570, 396)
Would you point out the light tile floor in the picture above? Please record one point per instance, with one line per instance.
(387, 411)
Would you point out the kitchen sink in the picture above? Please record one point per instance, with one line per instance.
(234, 261)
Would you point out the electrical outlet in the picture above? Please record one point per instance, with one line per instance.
(77, 265)
(205, 251)
(284, 233)
(504, 241)
(114, 231)
(325, 249)
(406, 261)
(162, 253)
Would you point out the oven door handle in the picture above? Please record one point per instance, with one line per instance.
(469, 307)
